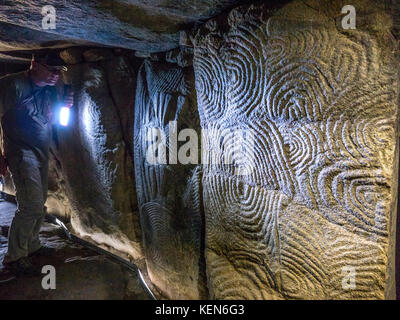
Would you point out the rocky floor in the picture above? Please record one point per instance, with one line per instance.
(80, 272)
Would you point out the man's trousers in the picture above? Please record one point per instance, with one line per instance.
(30, 177)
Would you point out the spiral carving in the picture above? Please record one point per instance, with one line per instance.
(322, 107)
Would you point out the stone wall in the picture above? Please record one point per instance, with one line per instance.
(93, 160)
(169, 193)
(320, 200)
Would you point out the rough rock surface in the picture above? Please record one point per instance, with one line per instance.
(80, 273)
(320, 198)
(92, 164)
(169, 198)
(139, 25)
(15, 37)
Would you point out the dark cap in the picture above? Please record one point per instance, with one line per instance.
(51, 59)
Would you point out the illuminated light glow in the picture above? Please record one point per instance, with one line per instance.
(64, 116)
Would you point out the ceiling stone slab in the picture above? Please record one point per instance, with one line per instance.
(150, 25)
(14, 37)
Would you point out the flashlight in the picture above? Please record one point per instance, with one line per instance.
(64, 112)
(64, 116)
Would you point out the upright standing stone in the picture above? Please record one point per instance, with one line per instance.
(314, 218)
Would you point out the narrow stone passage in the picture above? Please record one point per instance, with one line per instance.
(202, 150)
(80, 273)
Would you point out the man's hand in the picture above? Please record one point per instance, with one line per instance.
(3, 165)
(69, 99)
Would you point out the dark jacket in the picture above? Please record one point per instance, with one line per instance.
(26, 115)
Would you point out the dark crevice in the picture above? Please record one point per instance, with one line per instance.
(128, 156)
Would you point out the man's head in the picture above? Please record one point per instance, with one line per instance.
(46, 68)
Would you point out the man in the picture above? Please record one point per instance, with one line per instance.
(27, 102)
